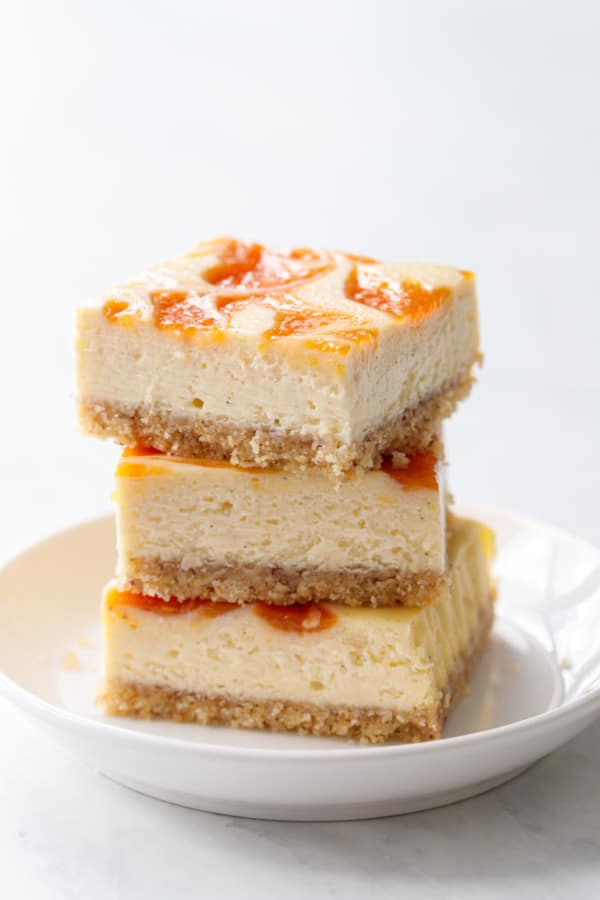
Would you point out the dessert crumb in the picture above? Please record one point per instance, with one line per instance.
(70, 662)
(565, 662)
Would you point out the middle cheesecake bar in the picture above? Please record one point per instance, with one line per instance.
(202, 528)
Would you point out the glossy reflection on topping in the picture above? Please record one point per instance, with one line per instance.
(301, 618)
(329, 331)
(186, 311)
(140, 450)
(244, 275)
(172, 607)
(420, 473)
(409, 300)
(257, 267)
(121, 312)
(193, 313)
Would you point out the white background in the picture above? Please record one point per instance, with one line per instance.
(458, 132)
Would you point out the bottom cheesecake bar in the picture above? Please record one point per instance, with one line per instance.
(368, 674)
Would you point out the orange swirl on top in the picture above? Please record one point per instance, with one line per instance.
(241, 275)
(247, 274)
(140, 461)
(121, 311)
(419, 473)
(302, 618)
(258, 268)
(189, 313)
(250, 275)
(322, 330)
(409, 300)
(171, 607)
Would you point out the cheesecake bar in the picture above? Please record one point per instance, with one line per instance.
(189, 528)
(265, 358)
(368, 674)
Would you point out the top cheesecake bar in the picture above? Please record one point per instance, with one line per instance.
(291, 359)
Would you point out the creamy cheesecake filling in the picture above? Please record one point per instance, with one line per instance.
(291, 387)
(400, 662)
(222, 439)
(194, 379)
(293, 351)
(202, 516)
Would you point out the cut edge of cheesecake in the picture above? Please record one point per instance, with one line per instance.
(191, 528)
(268, 358)
(411, 703)
(224, 439)
(367, 725)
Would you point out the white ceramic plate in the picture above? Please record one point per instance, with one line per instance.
(536, 686)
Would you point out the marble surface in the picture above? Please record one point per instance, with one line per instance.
(461, 132)
(66, 832)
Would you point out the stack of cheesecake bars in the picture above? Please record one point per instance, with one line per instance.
(286, 558)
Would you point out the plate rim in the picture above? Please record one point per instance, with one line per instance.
(567, 709)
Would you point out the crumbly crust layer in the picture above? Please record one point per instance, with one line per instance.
(249, 584)
(222, 439)
(368, 725)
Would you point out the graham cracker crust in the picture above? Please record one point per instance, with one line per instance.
(249, 584)
(367, 725)
(222, 439)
